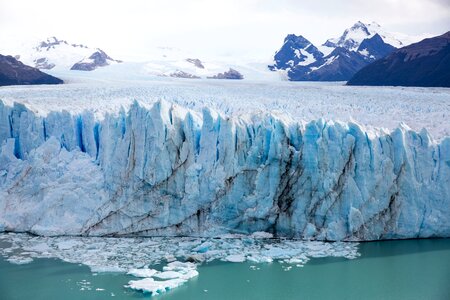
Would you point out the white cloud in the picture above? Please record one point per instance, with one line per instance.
(234, 27)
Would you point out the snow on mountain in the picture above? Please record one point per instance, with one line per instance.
(98, 59)
(355, 35)
(173, 62)
(55, 54)
(296, 50)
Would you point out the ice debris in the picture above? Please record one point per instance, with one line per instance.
(134, 256)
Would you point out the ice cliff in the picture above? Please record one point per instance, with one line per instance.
(163, 170)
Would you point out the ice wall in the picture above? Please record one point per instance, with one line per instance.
(163, 170)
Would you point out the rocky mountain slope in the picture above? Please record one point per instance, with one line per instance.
(426, 63)
(337, 59)
(13, 72)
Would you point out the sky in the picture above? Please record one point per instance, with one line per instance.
(210, 28)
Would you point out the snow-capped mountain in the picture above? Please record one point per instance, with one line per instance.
(54, 53)
(352, 37)
(338, 58)
(296, 50)
(174, 62)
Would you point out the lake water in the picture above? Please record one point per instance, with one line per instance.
(410, 269)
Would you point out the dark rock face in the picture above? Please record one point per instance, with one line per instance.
(13, 72)
(426, 63)
(197, 62)
(375, 47)
(42, 63)
(230, 74)
(97, 59)
(293, 52)
(182, 74)
(339, 65)
(52, 42)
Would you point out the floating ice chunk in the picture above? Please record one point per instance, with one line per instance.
(41, 247)
(107, 269)
(170, 258)
(204, 247)
(288, 268)
(190, 274)
(179, 266)
(167, 275)
(66, 245)
(235, 258)
(296, 261)
(20, 260)
(146, 272)
(149, 285)
(279, 252)
(259, 258)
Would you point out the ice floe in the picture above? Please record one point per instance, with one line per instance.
(180, 256)
(149, 285)
(145, 272)
(136, 255)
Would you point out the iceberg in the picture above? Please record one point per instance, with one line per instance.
(163, 170)
(149, 285)
(145, 272)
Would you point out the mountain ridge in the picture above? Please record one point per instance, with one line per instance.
(426, 63)
(357, 47)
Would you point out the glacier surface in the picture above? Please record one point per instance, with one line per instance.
(160, 169)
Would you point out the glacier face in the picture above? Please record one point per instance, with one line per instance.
(163, 170)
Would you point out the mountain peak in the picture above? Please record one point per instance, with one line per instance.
(50, 42)
(375, 24)
(296, 50)
(296, 39)
(352, 37)
(359, 25)
(98, 59)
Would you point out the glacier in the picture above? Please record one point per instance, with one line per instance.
(162, 170)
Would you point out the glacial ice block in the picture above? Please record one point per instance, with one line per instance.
(165, 170)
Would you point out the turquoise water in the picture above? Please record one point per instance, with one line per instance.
(411, 269)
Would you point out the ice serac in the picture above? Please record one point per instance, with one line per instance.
(164, 170)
